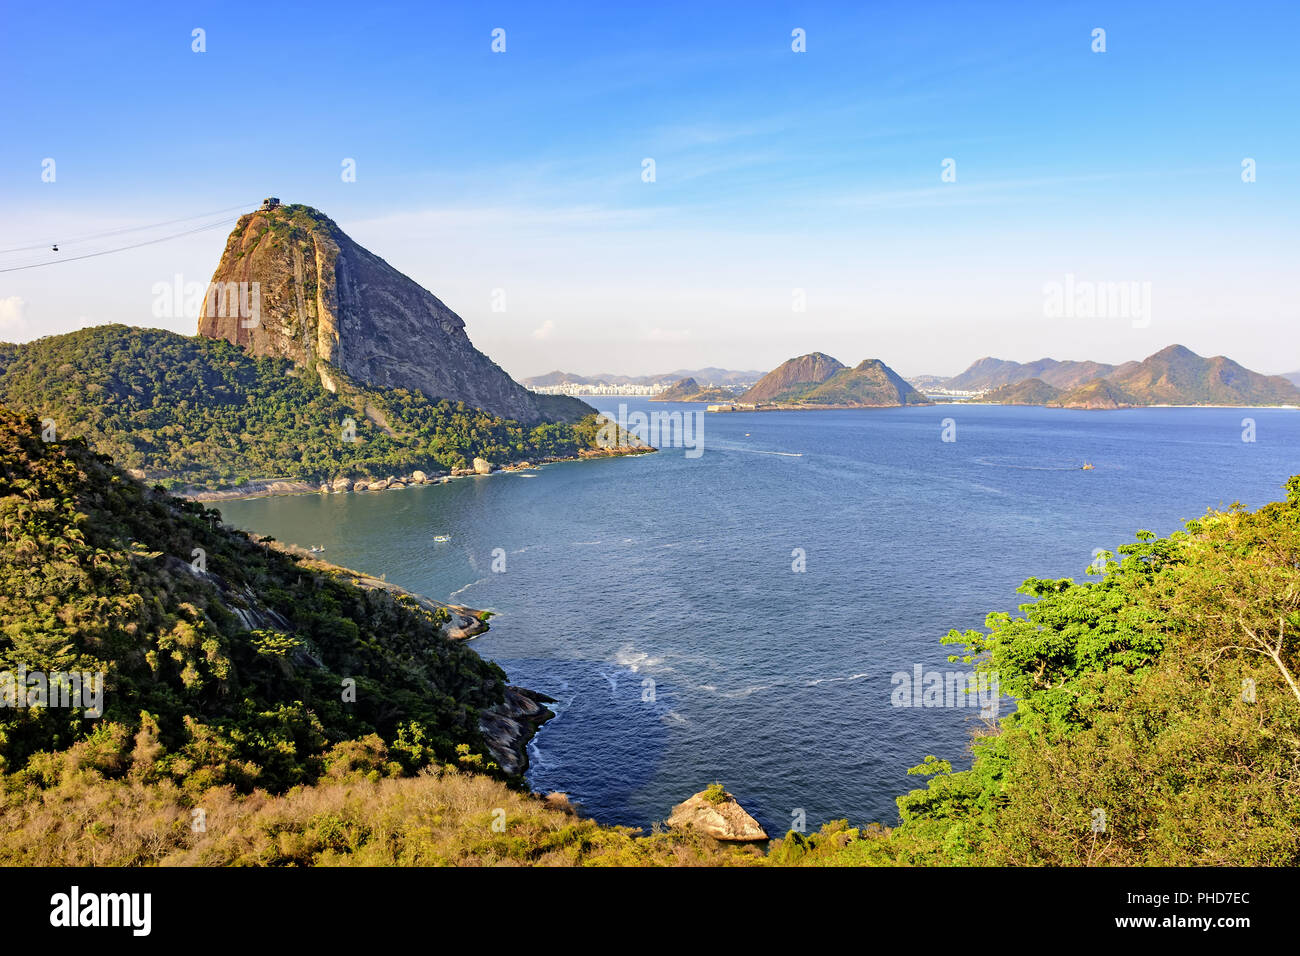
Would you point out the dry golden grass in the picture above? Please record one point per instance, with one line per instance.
(444, 817)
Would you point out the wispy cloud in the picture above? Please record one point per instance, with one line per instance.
(13, 309)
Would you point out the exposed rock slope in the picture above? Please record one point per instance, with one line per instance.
(326, 303)
(792, 378)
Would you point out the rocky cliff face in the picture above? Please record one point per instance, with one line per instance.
(328, 304)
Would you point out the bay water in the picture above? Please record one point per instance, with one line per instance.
(660, 599)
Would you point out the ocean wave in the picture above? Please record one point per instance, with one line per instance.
(466, 588)
(835, 680)
(633, 660)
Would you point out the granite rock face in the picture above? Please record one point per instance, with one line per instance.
(720, 817)
(326, 303)
(508, 726)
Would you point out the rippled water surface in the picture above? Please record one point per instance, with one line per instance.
(677, 571)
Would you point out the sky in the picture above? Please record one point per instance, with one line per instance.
(915, 185)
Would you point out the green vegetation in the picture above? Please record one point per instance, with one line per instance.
(197, 411)
(1030, 391)
(225, 662)
(1158, 715)
(871, 382)
(715, 793)
(1157, 718)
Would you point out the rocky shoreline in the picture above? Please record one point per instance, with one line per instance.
(507, 727)
(511, 724)
(270, 487)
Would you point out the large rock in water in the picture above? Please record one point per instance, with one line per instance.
(716, 813)
(326, 302)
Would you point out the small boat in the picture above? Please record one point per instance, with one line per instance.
(1087, 466)
(442, 538)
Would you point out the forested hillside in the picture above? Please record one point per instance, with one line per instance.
(224, 660)
(200, 411)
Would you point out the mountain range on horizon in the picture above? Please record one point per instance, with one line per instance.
(984, 374)
(1173, 376)
(708, 376)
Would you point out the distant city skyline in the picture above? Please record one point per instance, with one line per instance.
(923, 185)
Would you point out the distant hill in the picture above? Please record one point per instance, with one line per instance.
(1032, 391)
(925, 382)
(792, 378)
(712, 375)
(689, 390)
(1100, 394)
(1178, 376)
(819, 379)
(871, 382)
(1292, 377)
(994, 373)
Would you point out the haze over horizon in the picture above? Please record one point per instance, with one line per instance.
(517, 177)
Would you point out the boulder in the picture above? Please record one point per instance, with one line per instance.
(482, 467)
(716, 813)
(342, 484)
(360, 485)
(379, 485)
(419, 477)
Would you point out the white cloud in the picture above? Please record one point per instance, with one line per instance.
(12, 309)
(545, 331)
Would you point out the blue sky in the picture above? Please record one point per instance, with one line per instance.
(775, 171)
